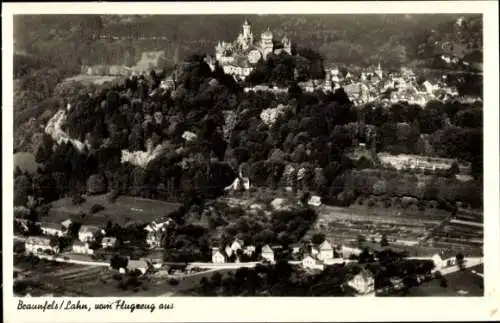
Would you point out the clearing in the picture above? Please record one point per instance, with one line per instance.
(124, 210)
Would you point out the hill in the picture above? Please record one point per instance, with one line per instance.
(349, 39)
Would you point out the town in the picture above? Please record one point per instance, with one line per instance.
(183, 180)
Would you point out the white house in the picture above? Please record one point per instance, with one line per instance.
(314, 201)
(267, 253)
(155, 233)
(39, 244)
(81, 247)
(108, 242)
(89, 233)
(229, 251)
(66, 224)
(310, 263)
(51, 229)
(443, 260)
(217, 256)
(249, 250)
(325, 251)
(363, 283)
(237, 245)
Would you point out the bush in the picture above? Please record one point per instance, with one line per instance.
(96, 208)
(173, 282)
(77, 199)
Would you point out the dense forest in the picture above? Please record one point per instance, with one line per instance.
(362, 40)
(312, 134)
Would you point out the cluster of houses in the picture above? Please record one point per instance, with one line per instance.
(312, 256)
(87, 234)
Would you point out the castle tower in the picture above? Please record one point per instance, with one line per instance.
(379, 71)
(246, 38)
(247, 29)
(266, 42)
(287, 45)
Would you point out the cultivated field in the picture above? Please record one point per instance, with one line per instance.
(464, 228)
(123, 211)
(91, 79)
(343, 225)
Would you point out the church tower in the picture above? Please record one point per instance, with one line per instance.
(266, 42)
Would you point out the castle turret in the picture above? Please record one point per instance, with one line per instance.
(266, 42)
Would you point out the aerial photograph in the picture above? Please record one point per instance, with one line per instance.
(335, 155)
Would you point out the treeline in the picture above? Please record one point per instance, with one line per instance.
(350, 39)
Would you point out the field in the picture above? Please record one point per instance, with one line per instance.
(460, 283)
(91, 79)
(123, 211)
(63, 279)
(26, 162)
(464, 228)
(345, 224)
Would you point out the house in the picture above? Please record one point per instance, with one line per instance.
(229, 251)
(237, 245)
(296, 248)
(141, 265)
(82, 247)
(397, 283)
(314, 201)
(156, 230)
(156, 259)
(444, 259)
(217, 256)
(39, 244)
(325, 251)
(66, 224)
(51, 229)
(249, 250)
(89, 233)
(267, 253)
(363, 283)
(108, 242)
(311, 263)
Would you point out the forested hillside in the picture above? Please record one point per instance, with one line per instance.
(348, 39)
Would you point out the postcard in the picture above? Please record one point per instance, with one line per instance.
(250, 161)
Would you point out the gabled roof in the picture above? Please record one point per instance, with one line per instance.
(39, 240)
(325, 245)
(267, 249)
(89, 228)
(50, 225)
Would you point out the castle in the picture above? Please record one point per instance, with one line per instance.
(239, 57)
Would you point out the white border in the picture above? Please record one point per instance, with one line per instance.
(276, 309)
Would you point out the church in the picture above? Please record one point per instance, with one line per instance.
(238, 58)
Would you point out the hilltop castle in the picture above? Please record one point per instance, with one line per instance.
(239, 57)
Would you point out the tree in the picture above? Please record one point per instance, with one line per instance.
(383, 241)
(96, 184)
(216, 279)
(118, 262)
(318, 238)
(22, 188)
(361, 240)
(460, 261)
